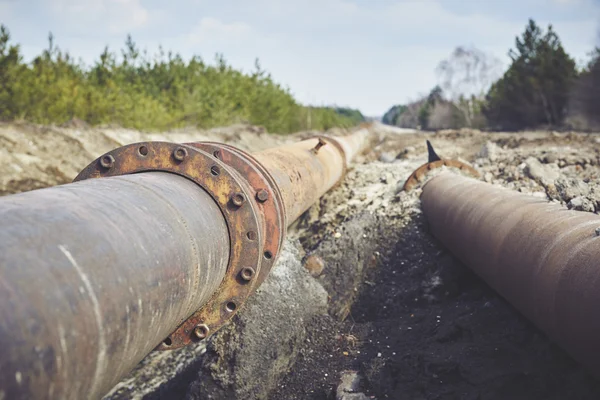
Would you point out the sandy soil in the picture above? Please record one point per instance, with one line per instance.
(418, 324)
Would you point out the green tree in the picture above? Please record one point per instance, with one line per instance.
(585, 101)
(161, 92)
(535, 89)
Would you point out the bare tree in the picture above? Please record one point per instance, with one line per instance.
(465, 77)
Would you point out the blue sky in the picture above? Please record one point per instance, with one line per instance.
(367, 54)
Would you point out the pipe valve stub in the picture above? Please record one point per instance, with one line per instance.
(256, 229)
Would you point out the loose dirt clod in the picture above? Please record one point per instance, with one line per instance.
(315, 265)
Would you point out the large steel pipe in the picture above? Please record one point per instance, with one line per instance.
(541, 257)
(96, 274)
(93, 275)
(306, 170)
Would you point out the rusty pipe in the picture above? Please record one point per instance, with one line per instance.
(306, 170)
(541, 257)
(94, 274)
(156, 245)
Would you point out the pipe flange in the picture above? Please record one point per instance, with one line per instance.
(235, 198)
(266, 194)
(419, 174)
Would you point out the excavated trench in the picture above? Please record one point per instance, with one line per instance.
(362, 291)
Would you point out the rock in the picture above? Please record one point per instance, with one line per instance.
(387, 157)
(243, 361)
(581, 204)
(404, 153)
(488, 177)
(385, 178)
(551, 158)
(543, 173)
(569, 188)
(489, 150)
(349, 386)
(314, 265)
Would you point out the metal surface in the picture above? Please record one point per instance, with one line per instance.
(160, 252)
(434, 162)
(95, 274)
(204, 165)
(543, 258)
(306, 170)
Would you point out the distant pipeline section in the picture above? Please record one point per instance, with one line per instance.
(541, 257)
(154, 246)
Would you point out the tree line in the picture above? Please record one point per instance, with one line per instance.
(135, 90)
(542, 87)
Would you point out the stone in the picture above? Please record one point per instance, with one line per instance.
(551, 158)
(404, 153)
(387, 157)
(581, 204)
(489, 150)
(314, 265)
(540, 172)
(348, 389)
(243, 361)
(569, 188)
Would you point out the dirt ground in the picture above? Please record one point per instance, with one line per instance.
(424, 326)
(416, 324)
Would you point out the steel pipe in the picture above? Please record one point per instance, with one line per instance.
(541, 257)
(156, 246)
(94, 274)
(306, 170)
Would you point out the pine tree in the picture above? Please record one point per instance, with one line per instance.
(535, 89)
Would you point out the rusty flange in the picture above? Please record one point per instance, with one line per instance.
(233, 191)
(419, 174)
(434, 162)
(265, 193)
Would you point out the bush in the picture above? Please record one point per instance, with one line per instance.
(157, 93)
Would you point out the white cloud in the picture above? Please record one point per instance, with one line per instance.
(117, 16)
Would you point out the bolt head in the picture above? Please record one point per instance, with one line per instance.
(201, 331)
(107, 161)
(262, 195)
(238, 199)
(180, 153)
(247, 273)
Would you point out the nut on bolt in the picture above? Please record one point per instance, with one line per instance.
(238, 199)
(247, 273)
(262, 195)
(201, 331)
(180, 153)
(107, 161)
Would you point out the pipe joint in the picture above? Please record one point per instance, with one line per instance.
(249, 200)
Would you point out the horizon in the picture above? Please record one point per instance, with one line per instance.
(358, 54)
